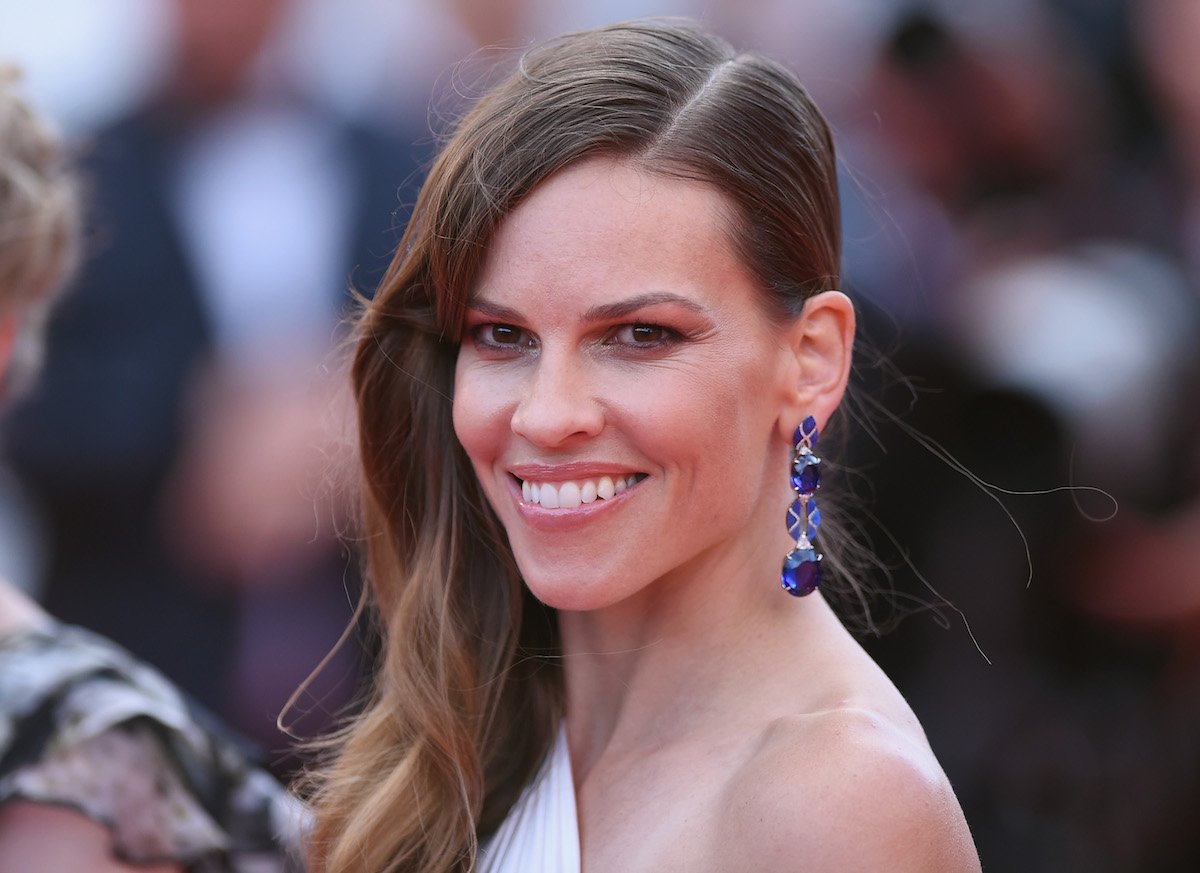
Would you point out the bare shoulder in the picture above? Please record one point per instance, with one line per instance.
(845, 789)
(37, 837)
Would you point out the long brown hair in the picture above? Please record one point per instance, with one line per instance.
(468, 693)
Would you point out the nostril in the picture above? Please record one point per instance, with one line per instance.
(555, 410)
(554, 430)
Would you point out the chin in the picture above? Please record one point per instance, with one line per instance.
(572, 593)
(579, 577)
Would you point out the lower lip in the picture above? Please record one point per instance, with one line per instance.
(564, 519)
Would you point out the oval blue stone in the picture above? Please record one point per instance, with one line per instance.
(806, 477)
(801, 572)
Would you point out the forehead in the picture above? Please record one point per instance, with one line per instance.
(606, 227)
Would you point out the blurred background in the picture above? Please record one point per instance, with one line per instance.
(1021, 196)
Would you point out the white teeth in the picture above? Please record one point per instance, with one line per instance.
(569, 495)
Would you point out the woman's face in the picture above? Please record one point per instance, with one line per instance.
(619, 389)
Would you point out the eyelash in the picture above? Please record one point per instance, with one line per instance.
(482, 335)
(479, 333)
(666, 336)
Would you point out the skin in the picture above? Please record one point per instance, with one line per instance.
(755, 728)
(38, 838)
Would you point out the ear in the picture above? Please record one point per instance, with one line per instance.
(820, 344)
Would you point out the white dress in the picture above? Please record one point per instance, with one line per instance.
(541, 832)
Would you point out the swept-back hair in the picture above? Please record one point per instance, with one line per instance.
(468, 692)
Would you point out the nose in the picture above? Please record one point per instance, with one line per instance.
(557, 404)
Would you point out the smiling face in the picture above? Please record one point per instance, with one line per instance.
(619, 388)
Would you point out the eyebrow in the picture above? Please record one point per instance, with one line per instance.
(602, 312)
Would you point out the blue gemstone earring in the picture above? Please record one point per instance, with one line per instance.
(802, 566)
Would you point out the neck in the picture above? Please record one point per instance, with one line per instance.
(675, 658)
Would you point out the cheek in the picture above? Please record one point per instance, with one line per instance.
(724, 423)
(716, 408)
(479, 414)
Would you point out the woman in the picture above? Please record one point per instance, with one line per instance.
(589, 389)
(104, 766)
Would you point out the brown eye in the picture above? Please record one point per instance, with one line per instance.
(646, 333)
(502, 338)
(643, 336)
(503, 334)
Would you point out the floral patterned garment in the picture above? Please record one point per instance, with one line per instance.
(85, 725)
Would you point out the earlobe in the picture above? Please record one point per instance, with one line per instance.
(822, 343)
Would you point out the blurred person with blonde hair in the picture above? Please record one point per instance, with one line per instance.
(104, 765)
(176, 452)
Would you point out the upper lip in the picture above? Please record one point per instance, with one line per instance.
(569, 471)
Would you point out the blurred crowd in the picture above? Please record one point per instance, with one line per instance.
(1021, 197)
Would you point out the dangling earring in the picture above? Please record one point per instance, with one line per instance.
(802, 566)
